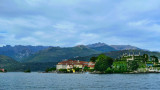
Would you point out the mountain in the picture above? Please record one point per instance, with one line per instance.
(124, 47)
(107, 48)
(6, 60)
(20, 52)
(55, 54)
(101, 47)
(8, 63)
(116, 54)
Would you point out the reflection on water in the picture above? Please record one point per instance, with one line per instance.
(52, 81)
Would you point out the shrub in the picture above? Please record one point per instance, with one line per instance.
(62, 70)
(108, 70)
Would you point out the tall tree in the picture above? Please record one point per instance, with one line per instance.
(146, 57)
(103, 62)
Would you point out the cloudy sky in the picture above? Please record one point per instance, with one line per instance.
(74, 22)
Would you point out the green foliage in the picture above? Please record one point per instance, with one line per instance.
(50, 69)
(156, 66)
(108, 70)
(120, 67)
(141, 65)
(85, 68)
(146, 57)
(77, 69)
(55, 54)
(91, 70)
(27, 71)
(63, 70)
(70, 71)
(93, 59)
(133, 65)
(149, 62)
(155, 59)
(103, 62)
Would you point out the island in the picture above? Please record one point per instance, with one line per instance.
(126, 63)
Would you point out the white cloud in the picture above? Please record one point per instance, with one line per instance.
(72, 22)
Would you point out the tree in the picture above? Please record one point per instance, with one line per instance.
(85, 68)
(108, 70)
(146, 57)
(103, 62)
(133, 65)
(154, 58)
(77, 69)
(93, 59)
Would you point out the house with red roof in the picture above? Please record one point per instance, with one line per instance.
(91, 65)
(2, 70)
(69, 64)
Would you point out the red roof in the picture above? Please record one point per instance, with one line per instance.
(73, 62)
(91, 64)
(77, 62)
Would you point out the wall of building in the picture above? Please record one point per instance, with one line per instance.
(61, 66)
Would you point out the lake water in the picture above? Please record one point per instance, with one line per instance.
(53, 81)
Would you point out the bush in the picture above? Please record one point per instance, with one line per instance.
(27, 71)
(108, 70)
(90, 70)
(63, 70)
(85, 68)
(50, 69)
(77, 69)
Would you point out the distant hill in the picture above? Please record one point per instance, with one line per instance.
(55, 54)
(20, 52)
(8, 63)
(101, 47)
(108, 48)
(124, 47)
(6, 60)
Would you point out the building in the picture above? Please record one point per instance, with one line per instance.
(132, 57)
(70, 64)
(91, 65)
(2, 70)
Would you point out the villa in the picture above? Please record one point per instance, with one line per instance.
(70, 64)
(132, 57)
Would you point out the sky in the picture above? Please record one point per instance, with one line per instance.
(75, 22)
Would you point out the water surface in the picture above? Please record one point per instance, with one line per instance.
(53, 81)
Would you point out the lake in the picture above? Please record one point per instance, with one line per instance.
(53, 81)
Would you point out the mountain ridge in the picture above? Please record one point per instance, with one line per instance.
(21, 52)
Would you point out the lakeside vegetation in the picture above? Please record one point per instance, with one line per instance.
(126, 63)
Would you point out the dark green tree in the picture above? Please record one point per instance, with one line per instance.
(154, 58)
(133, 65)
(85, 68)
(93, 59)
(103, 62)
(146, 57)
